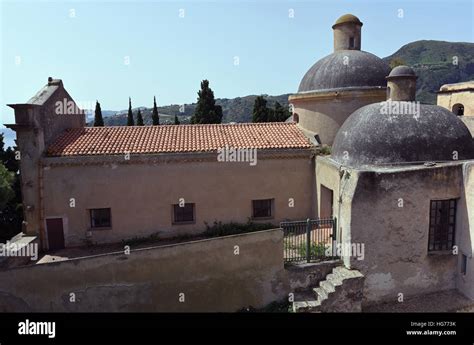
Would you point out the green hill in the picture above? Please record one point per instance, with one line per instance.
(432, 61)
(437, 63)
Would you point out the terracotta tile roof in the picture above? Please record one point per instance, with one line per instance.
(176, 138)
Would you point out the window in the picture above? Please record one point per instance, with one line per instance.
(262, 208)
(442, 224)
(296, 118)
(183, 214)
(100, 218)
(351, 42)
(458, 109)
(463, 264)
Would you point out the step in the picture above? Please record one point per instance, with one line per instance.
(345, 273)
(305, 306)
(335, 279)
(328, 286)
(321, 293)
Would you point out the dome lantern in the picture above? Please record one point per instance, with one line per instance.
(401, 84)
(347, 33)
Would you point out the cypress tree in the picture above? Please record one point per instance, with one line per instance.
(281, 113)
(206, 109)
(260, 110)
(98, 120)
(154, 116)
(176, 121)
(130, 121)
(139, 118)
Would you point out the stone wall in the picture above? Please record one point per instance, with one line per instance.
(211, 277)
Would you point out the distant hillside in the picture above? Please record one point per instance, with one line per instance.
(433, 63)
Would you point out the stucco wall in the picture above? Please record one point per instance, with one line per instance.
(396, 238)
(465, 238)
(141, 195)
(466, 98)
(208, 272)
(324, 113)
(469, 122)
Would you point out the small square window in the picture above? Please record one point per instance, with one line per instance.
(184, 213)
(463, 264)
(262, 208)
(100, 218)
(351, 42)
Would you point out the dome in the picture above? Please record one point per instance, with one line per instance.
(371, 136)
(347, 18)
(345, 68)
(402, 71)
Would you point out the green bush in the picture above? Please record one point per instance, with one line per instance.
(226, 229)
(315, 249)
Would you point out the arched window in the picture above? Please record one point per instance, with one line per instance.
(351, 42)
(388, 92)
(296, 118)
(458, 109)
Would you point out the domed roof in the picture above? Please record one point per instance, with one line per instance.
(402, 71)
(371, 136)
(345, 68)
(347, 18)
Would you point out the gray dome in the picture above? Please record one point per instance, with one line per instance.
(370, 136)
(359, 69)
(402, 71)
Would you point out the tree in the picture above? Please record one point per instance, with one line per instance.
(396, 62)
(11, 212)
(206, 109)
(154, 116)
(6, 186)
(139, 118)
(176, 121)
(260, 111)
(98, 120)
(280, 113)
(130, 121)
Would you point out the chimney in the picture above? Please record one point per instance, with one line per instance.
(347, 33)
(401, 84)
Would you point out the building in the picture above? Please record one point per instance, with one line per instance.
(338, 84)
(399, 180)
(107, 184)
(401, 176)
(459, 98)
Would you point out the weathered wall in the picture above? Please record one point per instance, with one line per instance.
(465, 237)
(396, 238)
(324, 113)
(466, 98)
(141, 195)
(208, 272)
(469, 122)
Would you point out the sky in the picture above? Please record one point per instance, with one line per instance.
(111, 50)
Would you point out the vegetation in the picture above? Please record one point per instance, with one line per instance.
(436, 63)
(11, 211)
(98, 120)
(260, 111)
(315, 250)
(283, 306)
(206, 109)
(139, 118)
(130, 121)
(396, 62)
(176, 121)
(226, 229)
(155, 118)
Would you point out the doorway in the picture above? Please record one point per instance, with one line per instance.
(55, 230)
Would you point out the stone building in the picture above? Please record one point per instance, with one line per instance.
(459, 98)
(402, 178)
(399, 180)
(339, 83)
(106, 184)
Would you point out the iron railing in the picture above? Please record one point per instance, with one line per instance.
(309, 240)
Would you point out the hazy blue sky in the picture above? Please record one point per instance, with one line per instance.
(86, 44)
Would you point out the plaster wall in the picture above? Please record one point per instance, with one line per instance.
(141, 194)
(395, 238)
(466, 98)
(208, 273)
(324, 113)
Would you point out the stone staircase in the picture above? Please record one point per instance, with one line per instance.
(341, 291)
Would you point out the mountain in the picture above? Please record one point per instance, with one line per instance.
(433, 61)
(436, 63)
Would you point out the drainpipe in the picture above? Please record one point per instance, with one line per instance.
(41, 205)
